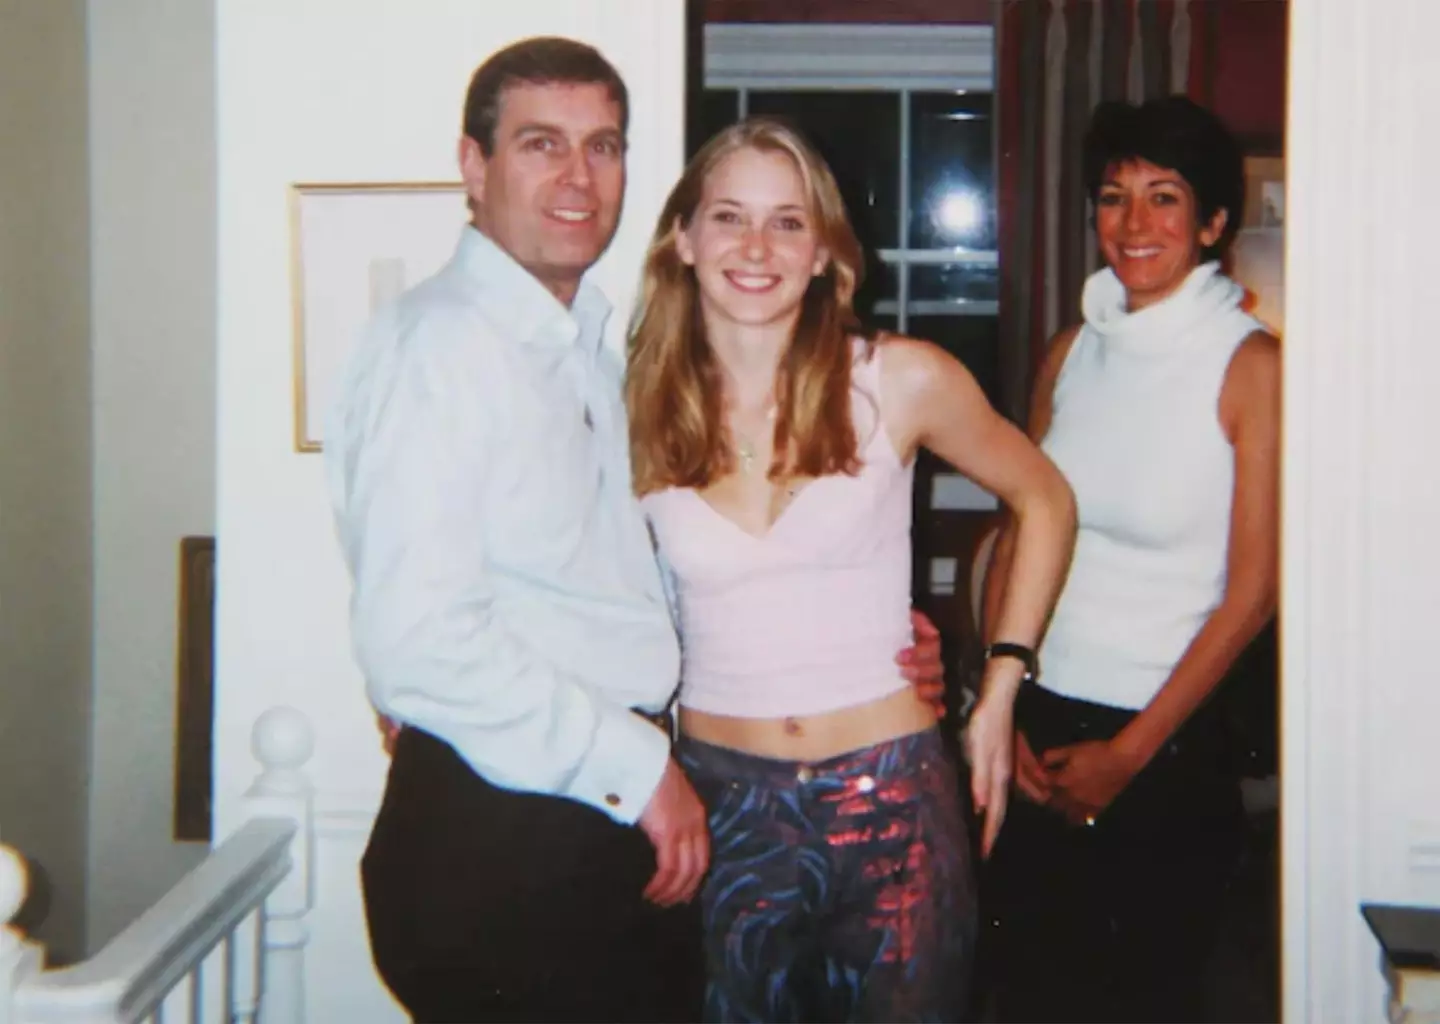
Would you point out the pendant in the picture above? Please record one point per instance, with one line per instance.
(746, 452)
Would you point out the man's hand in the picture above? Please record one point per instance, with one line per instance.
(1086, 777)
(1031, 778)
(922, 664)
(389, 732)
(674, 819)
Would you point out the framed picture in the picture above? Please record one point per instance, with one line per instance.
(195, 690)
(1264, 192)
(354, 248)
(1258, 256)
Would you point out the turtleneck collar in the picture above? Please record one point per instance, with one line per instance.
(1205, 293)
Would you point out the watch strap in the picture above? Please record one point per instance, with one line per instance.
(1026, 656)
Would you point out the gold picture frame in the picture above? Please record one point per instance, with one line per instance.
(353, 247)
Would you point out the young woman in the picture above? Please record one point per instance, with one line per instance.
(773, 446)
(1163, 410)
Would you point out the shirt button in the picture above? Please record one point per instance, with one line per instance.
(804, 773)
(612, 799)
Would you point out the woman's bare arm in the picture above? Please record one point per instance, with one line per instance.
(929, 399)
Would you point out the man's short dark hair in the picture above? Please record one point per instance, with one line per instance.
(541, 60)
(1177, 133)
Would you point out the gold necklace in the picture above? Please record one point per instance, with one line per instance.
(745, 448)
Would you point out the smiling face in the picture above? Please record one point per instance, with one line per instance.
(753, 241)
(550, 193)
(1147, 223)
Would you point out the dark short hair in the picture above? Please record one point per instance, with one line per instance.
(540, 60)
(1178, 134)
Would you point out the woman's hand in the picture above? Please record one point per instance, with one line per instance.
(989, 744)
(1085, 778)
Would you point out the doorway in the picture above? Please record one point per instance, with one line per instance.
(905, 114)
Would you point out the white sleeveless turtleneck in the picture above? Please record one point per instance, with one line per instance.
(1135, 428)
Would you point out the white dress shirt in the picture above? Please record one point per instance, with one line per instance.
(506, 594)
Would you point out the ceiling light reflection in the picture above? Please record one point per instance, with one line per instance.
(959, 212)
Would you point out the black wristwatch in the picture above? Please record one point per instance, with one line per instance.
(1025, 654)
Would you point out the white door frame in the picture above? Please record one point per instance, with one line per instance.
(1361, 555)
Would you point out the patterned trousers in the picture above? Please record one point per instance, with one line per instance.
(840, 890)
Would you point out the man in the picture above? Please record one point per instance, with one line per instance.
(537, 849)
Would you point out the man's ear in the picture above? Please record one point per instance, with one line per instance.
(472, 170)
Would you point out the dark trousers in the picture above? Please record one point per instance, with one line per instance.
(1116, 921)
(839, 890)
(489, 905)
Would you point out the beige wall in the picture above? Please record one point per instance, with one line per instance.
(45, 488)
(152, 189)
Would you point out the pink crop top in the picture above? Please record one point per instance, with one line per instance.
(809, 617)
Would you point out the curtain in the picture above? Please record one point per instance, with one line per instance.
(1055, 60)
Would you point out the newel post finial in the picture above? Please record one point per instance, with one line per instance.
(18, 957)
(283, 741)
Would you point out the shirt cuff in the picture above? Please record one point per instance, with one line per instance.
(624, 765)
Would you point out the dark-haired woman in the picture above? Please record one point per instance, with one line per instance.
(1162, 410)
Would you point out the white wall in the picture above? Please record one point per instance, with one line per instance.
(332, 90)
(45, 546)
(152, 189)
(1361, 585)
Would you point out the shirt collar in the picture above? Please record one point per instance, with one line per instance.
(515, 298)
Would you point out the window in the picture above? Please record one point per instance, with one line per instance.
(903, 115)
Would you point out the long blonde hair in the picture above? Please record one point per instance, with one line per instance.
(673, 388)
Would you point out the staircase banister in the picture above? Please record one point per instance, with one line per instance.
(132, 973)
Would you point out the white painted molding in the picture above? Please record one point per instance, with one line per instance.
(1321, 584)
(806, 56)
(1361, 563)
(1424, 858)
(345, 822)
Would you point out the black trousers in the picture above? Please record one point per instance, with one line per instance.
(1116, 921)
(489, 905)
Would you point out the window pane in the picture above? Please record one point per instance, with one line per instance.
(952, 177)
(974, 340)
(858, 133)
(955, 281)
(718, 108)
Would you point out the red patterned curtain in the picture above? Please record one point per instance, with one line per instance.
(1056, 59)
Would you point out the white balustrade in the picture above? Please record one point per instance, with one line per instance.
(19, 959)
(225, 943)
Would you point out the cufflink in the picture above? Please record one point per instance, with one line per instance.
(612, 799)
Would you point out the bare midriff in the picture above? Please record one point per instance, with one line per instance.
(814, 737)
